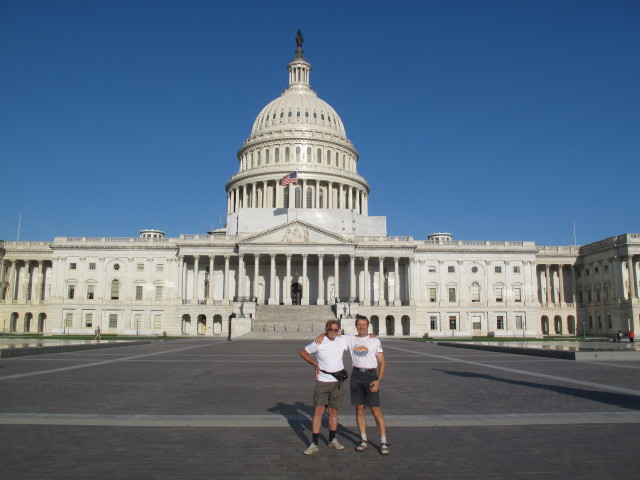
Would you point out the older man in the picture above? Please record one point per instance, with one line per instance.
(328, 391)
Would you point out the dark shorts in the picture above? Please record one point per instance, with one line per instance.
(328, 394)
(361, 393)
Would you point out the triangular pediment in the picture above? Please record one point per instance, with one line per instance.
(295, 232)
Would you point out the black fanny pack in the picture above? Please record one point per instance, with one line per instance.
(341, 376)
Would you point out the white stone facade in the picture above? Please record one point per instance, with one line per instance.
(313, 244)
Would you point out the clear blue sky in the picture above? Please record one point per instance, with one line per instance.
(492, 120)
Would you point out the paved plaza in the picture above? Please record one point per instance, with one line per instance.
(208, 408)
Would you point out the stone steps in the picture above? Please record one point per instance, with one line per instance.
(276, 321)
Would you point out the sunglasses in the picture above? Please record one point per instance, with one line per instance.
(333, 330)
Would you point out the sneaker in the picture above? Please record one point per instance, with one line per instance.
(335, 444)
(362, 447)
(311, 449)
(384, 449)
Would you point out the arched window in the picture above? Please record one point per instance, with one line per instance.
(321, 199)
(277, 159)
(266, 156)
(319, 156)
(297, 154)
(308, 159)
(259, 158)
(286, 154)
(115, 290)
(286, 197)
(298, 194)
(475, 292)
(309, 197)
(328, 157)
(337, 159)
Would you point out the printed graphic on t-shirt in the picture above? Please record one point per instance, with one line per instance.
(360, 351)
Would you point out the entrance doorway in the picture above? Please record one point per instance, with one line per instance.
(296, 294)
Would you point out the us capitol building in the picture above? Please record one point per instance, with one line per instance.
(299, 247)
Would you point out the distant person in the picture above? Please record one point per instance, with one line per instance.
(619, 336)
(97, 332)
(631, 336)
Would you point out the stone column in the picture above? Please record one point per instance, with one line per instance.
(180, 277)
(305, 281)
(225, 281)
(336, 277)
(278, 193)
(381, 299)
(287, 281)
(241, 274)
(196, 268)
(574, 292)
(303, 202)
(256, 274)
(272, 281)
(633, 285)
(365, 296)
(211, 270)
(547, 275)
(396, 288)
(560, 284)
(35, 289)
(317, 194)
(352, 277)
(321, 299)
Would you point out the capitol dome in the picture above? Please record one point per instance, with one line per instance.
(299, 136)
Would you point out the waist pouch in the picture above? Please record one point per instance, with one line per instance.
(341, 376)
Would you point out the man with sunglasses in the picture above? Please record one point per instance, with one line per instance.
(329, 391)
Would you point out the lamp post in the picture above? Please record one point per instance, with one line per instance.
(349, 303)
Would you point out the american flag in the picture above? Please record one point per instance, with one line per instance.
(291, 178)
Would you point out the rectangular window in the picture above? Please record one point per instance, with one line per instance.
(516, 269)
(68, 320)
(88, 320)
(92, 266)
(517, 294)
(498, 269)
(453, 322)
(606, 268)
(596, 270)
(158, 292)
(137, 321)
(519, 323)
(71, 291)
(138, 292)
(451, 269)
(160, 267)
(140, 267)
(452, 294)
(590, 321)
(157, 321)
(500, 322)
(72, 266)
(477, 322)
(432, 294)
(475, 292)
(434, 322)
(432, 269)
(586, 272)
(609, 321)
(113, 321)
(498, 294)
(599, 322)
(91, 288)
(580, 298)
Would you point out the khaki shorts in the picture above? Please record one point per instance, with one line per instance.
(328, 394)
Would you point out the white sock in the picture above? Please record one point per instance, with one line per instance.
(364, 437)
(383, 439)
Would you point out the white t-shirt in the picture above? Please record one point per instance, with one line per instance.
(329, 356)
(363, 350)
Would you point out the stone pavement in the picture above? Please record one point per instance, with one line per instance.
(208, 408)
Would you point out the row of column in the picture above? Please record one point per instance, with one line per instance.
(322, 296)
(324, 194)
(555, 293)
(23, 280)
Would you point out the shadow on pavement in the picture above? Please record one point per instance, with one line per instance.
(610, 398)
